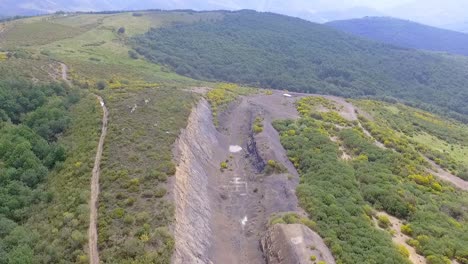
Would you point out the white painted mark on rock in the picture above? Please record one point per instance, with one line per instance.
(287, 95)
(297, 240)
(244, 221)
(239, 186)
(234, 148)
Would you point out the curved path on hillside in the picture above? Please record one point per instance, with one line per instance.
(446, 176)
(349, 112)
(400, 239)
(93, 204)
(92, 232)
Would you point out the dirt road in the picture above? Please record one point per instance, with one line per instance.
(400, 239)
(64, 69)
(93, 204)
(447, 176)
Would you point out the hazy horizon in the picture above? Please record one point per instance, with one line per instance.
(448, 14)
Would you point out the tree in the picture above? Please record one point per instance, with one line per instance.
(22, 254)
(133, 54)
(101, 85)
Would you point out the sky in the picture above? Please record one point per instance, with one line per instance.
(376, 4)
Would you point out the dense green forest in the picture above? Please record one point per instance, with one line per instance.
(405, 33)
(269, 50)
(341, 196)
(31, 118)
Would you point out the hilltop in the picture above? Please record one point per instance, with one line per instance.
(280, 52)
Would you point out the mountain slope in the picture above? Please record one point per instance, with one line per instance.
(405, 33)
(281, 52)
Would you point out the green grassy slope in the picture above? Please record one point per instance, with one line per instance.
(343, 195)
(134, 212)
(281, 52)
(442, 140)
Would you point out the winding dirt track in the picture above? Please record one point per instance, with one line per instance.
(349, 112)
(93, 204)
(400, 239)
(446, 176)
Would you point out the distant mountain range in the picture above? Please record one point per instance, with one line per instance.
(29, 7)
(405, 33)
(325, 16)
(448, 14)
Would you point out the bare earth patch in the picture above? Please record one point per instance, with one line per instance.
(223, 213)
(400, 239)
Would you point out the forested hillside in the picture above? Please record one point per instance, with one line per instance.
(347, 179)
(31, 118)
(280, 52)
(405, 33)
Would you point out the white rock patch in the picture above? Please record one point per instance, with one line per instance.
(244, 221)
(234, 148)
(297, 240)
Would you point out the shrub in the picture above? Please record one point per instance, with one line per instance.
(132, 247)
(257, 129)
(118, 213)
(406, 229)
(414, 243)
(134, 182)
(133, 54)
(121, 30)
(313, 258)
(257, 126)
(160, 192)
(274, 167)
(403, 251)
(368, 210)
(142, 217)
(128, 219)
(383, 221)
(101, 85)
(167, 167)
(436, 259)
(309, 223)
(277, 220)
(223, 165)
(130, 201)
(291, 218)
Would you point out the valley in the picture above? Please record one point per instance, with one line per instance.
(194, 137)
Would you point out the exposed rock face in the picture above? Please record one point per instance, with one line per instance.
(295, 243)
(254, 155)
(222, 215)
(193, 212)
